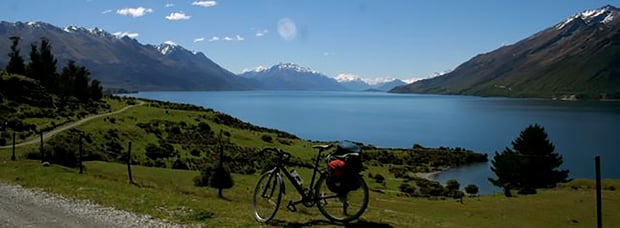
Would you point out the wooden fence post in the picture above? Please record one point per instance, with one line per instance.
(13, 154)
(599, 207)
(41, 147)
(80, 156)
(129, 164)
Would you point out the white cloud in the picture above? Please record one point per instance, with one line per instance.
(170, 42)
(106, 11)
(134, 12)
(261, 32)
(127, 34)
(168, 5)
(287, 29)
(201, 39)
(178, 16)
(204, 3)
(227, 38)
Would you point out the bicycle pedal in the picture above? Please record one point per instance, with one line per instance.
(291, 206)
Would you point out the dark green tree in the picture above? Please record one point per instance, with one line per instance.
(16, 62)
(221, 178)
(42, 65)
(453, 185)
(48, 65)
(34, 68)
(96, 90)
(471, 189)
(66, 80)
(530, 164)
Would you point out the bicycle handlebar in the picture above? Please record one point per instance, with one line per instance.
(280, 152)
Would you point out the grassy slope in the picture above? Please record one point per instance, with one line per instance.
(170, 194)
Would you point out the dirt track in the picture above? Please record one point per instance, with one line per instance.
(54, 132)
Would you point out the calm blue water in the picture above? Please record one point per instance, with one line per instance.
(579, 130)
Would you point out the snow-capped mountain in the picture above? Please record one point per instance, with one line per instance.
(122, 62)
(356, 83)
(603, 15)
(290, 76)
(578, 57)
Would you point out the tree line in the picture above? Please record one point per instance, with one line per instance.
(72, 81)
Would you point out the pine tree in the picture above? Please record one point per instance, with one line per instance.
(33, 69)
(96, 90)
(16, 62)
(48, 65)
(530, 164)
(42, 65)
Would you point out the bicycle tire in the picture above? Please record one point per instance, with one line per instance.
(335, 206)
(271, 183)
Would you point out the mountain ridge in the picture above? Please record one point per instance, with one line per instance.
(578, 57)
(123, 62)
(291, 76)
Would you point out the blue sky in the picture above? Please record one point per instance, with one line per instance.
(369, 38)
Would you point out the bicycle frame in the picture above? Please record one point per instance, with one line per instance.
(307, 197)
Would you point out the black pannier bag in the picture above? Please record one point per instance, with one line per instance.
(344, 166)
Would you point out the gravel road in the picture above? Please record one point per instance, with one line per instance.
(21, 207)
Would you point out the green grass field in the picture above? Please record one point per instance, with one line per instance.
(170, 194)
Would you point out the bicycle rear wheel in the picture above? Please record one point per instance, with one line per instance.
(267, 196)
(341, 207)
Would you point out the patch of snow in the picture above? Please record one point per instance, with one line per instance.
(588, 16)
(255, 69)
(295, 67)
(346, 77)
(608, 18)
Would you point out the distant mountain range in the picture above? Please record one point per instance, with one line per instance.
(576, 58)
(356, 83)
(122, 62)
(290, 76)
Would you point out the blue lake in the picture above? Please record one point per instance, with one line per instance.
(579, 130)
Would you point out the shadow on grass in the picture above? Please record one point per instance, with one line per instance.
(361, 223)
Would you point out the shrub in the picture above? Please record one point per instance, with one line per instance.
(267, 138)
(195, 153)
(379, 178)
(407, 188)
(453, 185)
(178, 164)
(471, 189)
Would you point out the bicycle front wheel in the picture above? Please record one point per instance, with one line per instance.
(267, 196)
(342, 207)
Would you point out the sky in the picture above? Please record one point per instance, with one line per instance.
(405, 39)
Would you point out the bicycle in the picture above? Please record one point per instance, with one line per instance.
(337, 207)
